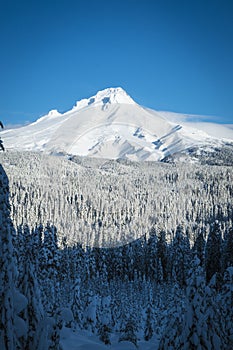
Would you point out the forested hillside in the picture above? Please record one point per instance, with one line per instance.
(105, 202)
(138, 252)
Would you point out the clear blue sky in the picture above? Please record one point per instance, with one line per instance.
(167, 54)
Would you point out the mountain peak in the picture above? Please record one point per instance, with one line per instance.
(105, 97)
(111, 125)
(114, 95)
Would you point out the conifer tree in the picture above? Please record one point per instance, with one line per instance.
(194, 333)
(105, 319)
(49, 270)
(180, 256)
(213, 251)
(54, 332)
(148, 332)
(228, 249)
(12, 302)
(90, 314)
(171, 335)
(33, 314)
(215, 331)
(76, 306)
(199, 247)
(36, 244)
(104, 334)
(151, 256)
(226, 307)
(162, 252)
(128, 333)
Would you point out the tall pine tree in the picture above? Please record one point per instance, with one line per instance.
(213, 251)
(12, 302)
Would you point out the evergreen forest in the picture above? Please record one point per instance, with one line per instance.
(138, 252)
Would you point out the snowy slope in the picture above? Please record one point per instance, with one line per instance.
(83, 340)
(111, 125)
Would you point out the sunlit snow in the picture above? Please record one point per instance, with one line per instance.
(111, 125)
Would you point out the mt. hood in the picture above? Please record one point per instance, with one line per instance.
(111, 125)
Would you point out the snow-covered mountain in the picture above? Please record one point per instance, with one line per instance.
(112, 125)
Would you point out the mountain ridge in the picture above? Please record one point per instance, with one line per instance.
(111, 125)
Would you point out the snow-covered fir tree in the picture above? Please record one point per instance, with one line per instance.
(226, 307)
(148, 332)
(195, 332)
(77, 305)
(129, 332)
(213, 251)
(12, 326)
(33, 314)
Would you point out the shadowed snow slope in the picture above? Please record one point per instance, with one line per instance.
(111, 125)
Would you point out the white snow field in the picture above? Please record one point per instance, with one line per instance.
(111, 125)
(83, 340)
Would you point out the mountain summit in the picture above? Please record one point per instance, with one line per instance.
(110, 125)
(106, 97)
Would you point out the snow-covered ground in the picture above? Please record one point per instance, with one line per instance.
(111, 125)
(83, 340)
